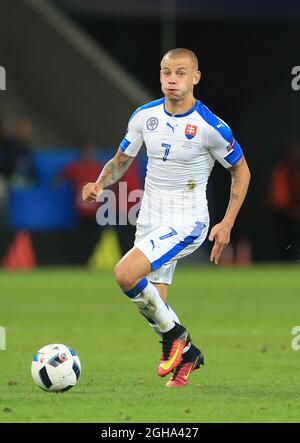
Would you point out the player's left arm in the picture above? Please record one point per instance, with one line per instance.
(220, 233)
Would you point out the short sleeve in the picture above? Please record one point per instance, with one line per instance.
(222, 145)
(133, 140)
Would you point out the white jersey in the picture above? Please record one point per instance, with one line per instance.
(181, 152)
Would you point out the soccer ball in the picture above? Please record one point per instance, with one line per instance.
(56, 368)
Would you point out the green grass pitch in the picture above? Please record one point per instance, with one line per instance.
(241, 319)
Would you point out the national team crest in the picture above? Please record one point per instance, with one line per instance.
(190, 131)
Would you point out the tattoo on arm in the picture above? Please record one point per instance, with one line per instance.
(115, 169)
(236, 181)
(239, 187)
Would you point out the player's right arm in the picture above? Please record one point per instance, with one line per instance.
(110, 174)
(118, 165)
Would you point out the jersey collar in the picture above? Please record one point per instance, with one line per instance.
(182, 115)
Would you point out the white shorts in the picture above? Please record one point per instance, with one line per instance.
(165, 245)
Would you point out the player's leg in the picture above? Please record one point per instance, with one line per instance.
(192, 357)
(175, 249)
(163, 292)
(131, 274)
(162, 289)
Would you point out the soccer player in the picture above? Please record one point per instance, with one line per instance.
(183, 139)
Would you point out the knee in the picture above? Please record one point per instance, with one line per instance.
(123, 278)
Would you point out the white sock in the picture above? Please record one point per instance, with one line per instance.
(152, 306)
(173, 315)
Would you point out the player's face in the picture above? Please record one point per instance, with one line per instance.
(178, 76)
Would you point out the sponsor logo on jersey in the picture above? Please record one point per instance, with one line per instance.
(190, 131)
(152, 123)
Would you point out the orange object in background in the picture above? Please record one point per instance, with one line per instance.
(237, 255)
(20, 254)
(227, 256)
(243, 256)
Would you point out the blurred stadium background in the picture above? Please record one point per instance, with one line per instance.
(75, 71)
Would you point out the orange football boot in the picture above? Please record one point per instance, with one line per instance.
(182, 372)
(172, 351)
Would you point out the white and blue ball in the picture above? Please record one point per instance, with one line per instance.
(56, 368)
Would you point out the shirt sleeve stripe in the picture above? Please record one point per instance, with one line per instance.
(235, 155)
(221, 127)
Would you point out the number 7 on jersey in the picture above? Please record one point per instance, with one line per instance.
(167, 150)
